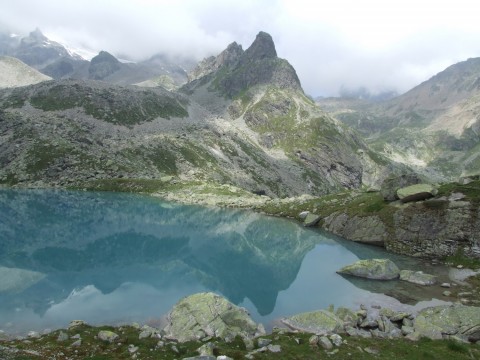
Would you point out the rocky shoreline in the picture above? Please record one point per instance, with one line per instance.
(206, 326)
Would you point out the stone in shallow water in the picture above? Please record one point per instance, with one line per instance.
(417, 277)
(378, 269)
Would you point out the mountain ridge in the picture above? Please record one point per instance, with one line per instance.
(246, 123)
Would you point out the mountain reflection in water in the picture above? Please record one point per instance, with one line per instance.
(109, 258)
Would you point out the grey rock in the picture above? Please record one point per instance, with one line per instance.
(390, 185)
(317, 322)
(224, 357)
(132, 349)
(376, 333)
(107, 335)
(447, 293)
(336, 339)
(207, 314)
(417, 277)
(207, 349)
(206, 357)
(311, 220)
(62, 336)
(379, 269)
(303, 214)
(77, 343)
(263, 342)
(385, 325)
(274, 348)
(407, 330)
(445, 285)
(33, 335)
(416, 192)
(449, 320)
(325, 343)
(369, 324)
(371, 351)
(313, 340)
(75, 323)
(399, 316)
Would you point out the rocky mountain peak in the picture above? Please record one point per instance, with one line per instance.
(230, 56)
(263, 47)
(103, 65)
(35, 36)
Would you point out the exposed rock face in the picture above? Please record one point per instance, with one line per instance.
(392, 184)
(378, 269)
(262, 48)
(436, 228)
(368, 230)
(228, 57)
(206, 314)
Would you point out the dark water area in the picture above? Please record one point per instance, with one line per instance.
(110, 258)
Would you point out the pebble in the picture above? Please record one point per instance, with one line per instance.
(447, 293)
(446, 285)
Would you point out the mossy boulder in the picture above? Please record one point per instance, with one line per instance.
(207, 314)
(316, 322)
(416, 192)
(378, 269)
(434, 322)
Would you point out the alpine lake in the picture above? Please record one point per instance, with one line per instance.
(115, 258)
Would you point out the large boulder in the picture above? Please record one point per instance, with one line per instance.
(207, 314)
(378, 269)
(416, 192)
(434, 322)
(316, 322)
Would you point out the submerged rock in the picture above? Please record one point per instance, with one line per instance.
(417, 277)
(317, 322)
(208, 314)
(378, 269)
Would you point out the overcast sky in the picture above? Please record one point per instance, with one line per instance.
(379, 44)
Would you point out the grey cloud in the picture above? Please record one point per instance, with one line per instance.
(324, 55)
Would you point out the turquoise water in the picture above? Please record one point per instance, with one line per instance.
(110, 258)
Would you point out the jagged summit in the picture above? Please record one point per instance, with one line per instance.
(233, 71)
(35, 36)
(103, 65)
(263, 47)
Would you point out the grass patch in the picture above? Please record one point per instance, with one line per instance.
(459, 258)
(471, 191)
(293, 346)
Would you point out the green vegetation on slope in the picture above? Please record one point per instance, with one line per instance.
(293, 346)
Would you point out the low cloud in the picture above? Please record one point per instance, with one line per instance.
(331, 45)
